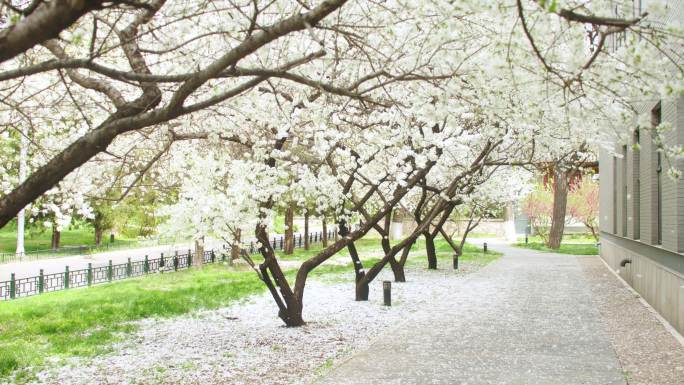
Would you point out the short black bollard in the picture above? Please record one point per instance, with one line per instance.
(189, 257)
(161, 261)
(129, 268)
(41, 281)
(146, 265)
(110, 271)
(485, 247)
(90, 274)
(175, 261)
(387, 292)
(526, 240)
(13, 287)
(213, 256)
(66, 277)
(455, 261)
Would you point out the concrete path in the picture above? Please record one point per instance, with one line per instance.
(527, 318)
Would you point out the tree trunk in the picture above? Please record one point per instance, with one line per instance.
(324, 238)
(235, 246)
(56, 235)
(361, 286)
(288, 248)
(199, 253)
(306, 230)
(397, 268)
(98, 235)
(560, 200)
(430, 250)
(290, 308)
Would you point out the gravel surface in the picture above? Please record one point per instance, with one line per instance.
(247, 344)
(647, 352)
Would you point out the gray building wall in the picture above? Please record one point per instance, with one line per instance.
(656, 270)
(628, 220)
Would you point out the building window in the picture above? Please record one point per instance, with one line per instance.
(615, 195)
(624, 190)
(636, 191)
(656, 118)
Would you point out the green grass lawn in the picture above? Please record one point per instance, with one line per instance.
(85, 322)
(576, 244)
(35, 240)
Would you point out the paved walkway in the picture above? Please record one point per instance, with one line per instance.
(527, 318)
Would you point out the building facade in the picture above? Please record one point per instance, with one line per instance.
(642, 208)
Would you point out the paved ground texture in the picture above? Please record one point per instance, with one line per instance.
(528, 318)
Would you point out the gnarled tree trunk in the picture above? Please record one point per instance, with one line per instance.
(289, 307)
(560, 200)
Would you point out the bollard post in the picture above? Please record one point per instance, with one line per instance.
(387, 292)
(526, 240)
(455, 261)
(90, 274)
(175, 261)
(66, 277)
(485, 247)
(146, 265)
(161, 261)
(110, 271)
(13, 287)
(41, 282)
(251, 247)
(129, 268)
(275, 244)
(213, 256)
(189, 258)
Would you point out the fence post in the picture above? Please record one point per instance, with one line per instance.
(41, 282)
(13, 287)
(189, 258)
(146, 265)
(90, 274)
(213, 256)
(175, 261)
(110, 271)
(66, 277)
(484, 247)
(161, 261)
(129, 268)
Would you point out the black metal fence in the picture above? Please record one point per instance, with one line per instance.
(43, 283)
(33, 255)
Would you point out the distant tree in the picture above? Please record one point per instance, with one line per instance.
(538, 207)
(583, 205)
